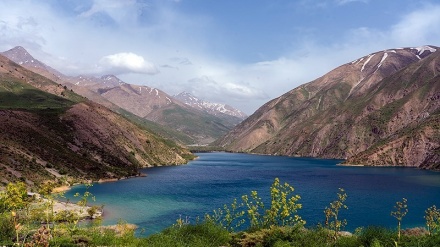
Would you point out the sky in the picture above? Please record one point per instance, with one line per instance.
(238, 52)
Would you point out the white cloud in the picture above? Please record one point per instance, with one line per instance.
(419, 27)
(207, 86)
(127, 62)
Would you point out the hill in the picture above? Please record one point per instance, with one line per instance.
(381, 109)
(49, 132)
(148, 106)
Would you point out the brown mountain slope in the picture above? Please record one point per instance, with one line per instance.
(157, 106)
(167, 116)
(20, 56)
(89, 87)
(46, 135)
(364, 110)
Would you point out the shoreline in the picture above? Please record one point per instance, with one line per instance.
(353, 165)
(109, 180)
(60, 189)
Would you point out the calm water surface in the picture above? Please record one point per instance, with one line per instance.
(156, 201)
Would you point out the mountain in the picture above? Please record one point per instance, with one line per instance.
(381, 109)
(212, 108)
(161, 112)
(88, 86)
(22, 57)
(157, 106)
(48, 131)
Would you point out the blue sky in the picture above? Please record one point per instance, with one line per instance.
(239, 52)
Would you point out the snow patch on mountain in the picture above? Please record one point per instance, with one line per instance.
(212, 108)
(19, 55)
(422, 49)
(368, 60)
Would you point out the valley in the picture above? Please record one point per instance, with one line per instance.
(378, 110)
(177, 123)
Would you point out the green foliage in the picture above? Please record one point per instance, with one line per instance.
(400, 210)
(376, 236)
(233, 216)
(282, 211)
(93, 210)
(7, 230)
(432, 217)
(18, 95)
(199, 235)
(14, 197)
(66, 216)
(277, 225)
(83, 203)
(274, 235)
(332, 222)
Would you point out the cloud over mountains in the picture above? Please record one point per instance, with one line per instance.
(126, 62)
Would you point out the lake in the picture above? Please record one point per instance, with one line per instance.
(214, 179)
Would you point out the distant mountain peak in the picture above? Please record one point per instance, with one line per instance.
(212, 108)
(111, 79)
(21, 56)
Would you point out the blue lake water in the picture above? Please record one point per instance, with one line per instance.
(167, 193)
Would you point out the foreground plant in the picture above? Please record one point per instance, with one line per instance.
(332, 221)
(401, 209)
(82, 203)
(432, 217)
(282, 211)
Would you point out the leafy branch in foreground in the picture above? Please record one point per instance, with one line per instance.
(282, 211)
(332, 222)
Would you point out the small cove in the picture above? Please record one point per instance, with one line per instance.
(167, 193)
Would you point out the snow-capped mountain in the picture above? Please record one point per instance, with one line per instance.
(93, 83)
(212, 108)
(380, 109)
(23, 58)
(174, 119)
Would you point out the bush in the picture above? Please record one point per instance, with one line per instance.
(202, 234)
(282, 210)
(7, 231)
(377, 236)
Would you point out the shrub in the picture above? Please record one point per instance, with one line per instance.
(199, 235)
(376, 236)
(282, 211)
(7, 230)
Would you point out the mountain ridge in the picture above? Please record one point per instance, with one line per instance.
(50, 133)
(213, 108)
(346, 111)
(195, 126)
